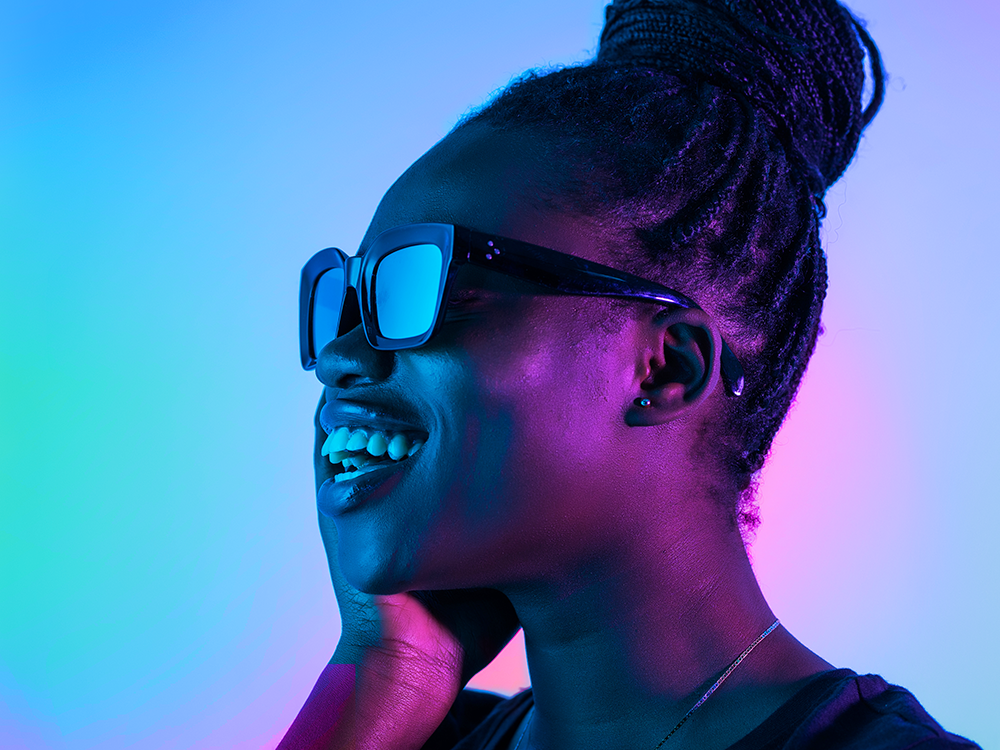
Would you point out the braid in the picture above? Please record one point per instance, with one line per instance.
(710, 131)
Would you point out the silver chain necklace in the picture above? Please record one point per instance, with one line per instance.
(701, 700)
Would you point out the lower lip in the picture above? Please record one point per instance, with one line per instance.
(335, 498)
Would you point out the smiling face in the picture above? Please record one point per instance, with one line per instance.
(518, 404)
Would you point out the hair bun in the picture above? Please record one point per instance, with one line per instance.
(801, 62)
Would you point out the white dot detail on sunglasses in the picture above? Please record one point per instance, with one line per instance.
(362, 450)
(401, 280)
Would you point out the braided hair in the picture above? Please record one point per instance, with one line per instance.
(708, 131)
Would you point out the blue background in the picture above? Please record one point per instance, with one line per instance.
(166, 168)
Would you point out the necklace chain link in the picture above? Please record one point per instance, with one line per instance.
(701, 700)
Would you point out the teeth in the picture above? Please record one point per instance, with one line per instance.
(358, 441)
(352, 474)
(377, 444)
(336, 441)
(398, 447)
(357, 461)
(358, 447)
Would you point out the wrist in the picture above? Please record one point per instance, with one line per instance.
(399, 700)
(325, 720)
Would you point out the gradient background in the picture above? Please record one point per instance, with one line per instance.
(168, 167)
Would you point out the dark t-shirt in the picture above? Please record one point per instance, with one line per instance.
(838, 710)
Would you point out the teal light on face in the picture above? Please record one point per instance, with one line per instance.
(165, 169)
(406, 290)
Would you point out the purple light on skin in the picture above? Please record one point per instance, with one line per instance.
(323, 714)
(862, 464)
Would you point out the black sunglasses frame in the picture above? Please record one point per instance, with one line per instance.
(560, 272)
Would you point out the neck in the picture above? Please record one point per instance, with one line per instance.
(618, 654)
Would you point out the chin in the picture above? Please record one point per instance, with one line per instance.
(371, 572)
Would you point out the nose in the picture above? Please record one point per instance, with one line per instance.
(350, 360)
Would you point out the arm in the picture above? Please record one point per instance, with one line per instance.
(395, 694)
(322, 716)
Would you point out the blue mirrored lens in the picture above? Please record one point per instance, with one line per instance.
(406, 288)
(328, 301)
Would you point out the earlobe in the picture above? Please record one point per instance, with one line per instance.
(678, 369)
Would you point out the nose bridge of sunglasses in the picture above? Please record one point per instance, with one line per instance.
(352, 271)
(350, 313)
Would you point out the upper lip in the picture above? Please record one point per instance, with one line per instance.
(343, 413)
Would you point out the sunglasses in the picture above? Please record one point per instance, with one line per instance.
(397, 290)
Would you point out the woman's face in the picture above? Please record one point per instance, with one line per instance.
(521, 395)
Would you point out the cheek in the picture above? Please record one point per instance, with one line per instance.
(562, 387)
(529, 424)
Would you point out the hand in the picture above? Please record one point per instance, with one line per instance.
(445, 636)
(430, 640)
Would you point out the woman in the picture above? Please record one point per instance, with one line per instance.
(550, 377)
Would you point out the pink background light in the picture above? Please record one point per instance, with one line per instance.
(165, 169)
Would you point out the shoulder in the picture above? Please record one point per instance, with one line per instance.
(864, 711)
(479, 720)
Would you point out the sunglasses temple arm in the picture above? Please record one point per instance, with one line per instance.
(555, 270)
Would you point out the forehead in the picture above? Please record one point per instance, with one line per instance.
(492, 181)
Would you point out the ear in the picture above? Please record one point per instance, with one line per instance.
(677, 368)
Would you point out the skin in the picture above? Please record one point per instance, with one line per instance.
(599, 520)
